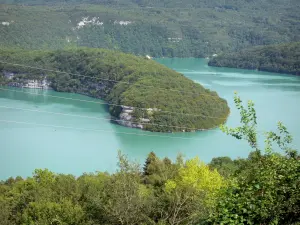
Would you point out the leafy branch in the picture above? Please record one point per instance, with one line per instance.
(248, 130)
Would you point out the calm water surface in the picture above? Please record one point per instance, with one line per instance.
(85, 140)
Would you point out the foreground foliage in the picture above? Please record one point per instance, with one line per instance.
(282, 58)
(265, 188)
(262, 189)
(121, 79)
(120, 198)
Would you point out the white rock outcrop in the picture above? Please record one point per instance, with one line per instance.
(86, 21)
(128, 120)
(5, 23)
(123, 23)
(175, 39)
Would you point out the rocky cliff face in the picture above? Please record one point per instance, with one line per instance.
(97, 90)
(21, 81)
(127, 119)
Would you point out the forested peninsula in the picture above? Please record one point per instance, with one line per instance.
(141, 92)
(283, 58)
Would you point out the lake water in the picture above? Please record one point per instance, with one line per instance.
(76, 136)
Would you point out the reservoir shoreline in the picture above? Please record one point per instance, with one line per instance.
(27, 147)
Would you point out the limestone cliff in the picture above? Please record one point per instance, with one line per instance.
(125, 118)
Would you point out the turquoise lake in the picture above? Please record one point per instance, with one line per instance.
(74, 133)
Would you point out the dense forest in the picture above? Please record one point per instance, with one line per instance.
(76, 46)
(261, 189)
(175, 103)
(283, 58)
(167, 28)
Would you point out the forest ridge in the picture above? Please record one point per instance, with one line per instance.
(157, 28)
(282, 58)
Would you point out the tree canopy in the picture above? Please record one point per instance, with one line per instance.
(175, 102)
(283, 58)
(168, 28)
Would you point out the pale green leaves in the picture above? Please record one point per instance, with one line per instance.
(196, 177)
(283, 139)
(247, 130)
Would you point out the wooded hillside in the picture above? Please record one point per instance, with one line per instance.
(284, 58)
(158, 28)
(175, 103)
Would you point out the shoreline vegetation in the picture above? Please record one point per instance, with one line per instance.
(140, 92)
(113, 119)
(261, 189)
(282, 58)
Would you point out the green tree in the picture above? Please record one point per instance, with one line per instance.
(191, 195)
(156, 171)
(45, 213)
(92, 191)
(128, 201)
(267, 190)
(224, 165)
(5, 210)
